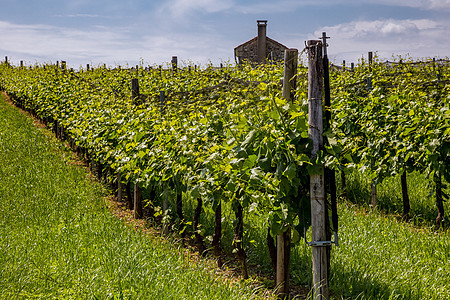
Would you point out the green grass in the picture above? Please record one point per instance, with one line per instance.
(380, 258)
(58, 240)
(389, 194)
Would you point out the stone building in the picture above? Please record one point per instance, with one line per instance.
(260, 48)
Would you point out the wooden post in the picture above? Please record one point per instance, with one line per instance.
(317, 187)
(374, 200)
(290, 70)
(138, 212)
(405, 196)
(284, 239)
(330, 175)
(21, 64)
(87, 67)
(174, 64)
(162, 99)
(119, 186)
(373, 194)
(6, 60)
(135, 91)
(165, 227)
(439, 199)
(217, 235)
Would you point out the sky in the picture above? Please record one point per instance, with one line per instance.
(118, 32)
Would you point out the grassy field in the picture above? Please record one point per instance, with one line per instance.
(58, 240)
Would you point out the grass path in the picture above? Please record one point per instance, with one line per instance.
(59, 240)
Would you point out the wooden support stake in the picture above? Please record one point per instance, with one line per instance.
(119, 186)
(138, 211)
(405, 196)
(165, 207)
(290, 72)
(283, 239)
(135, 91)
(317, 186)
(174, 64)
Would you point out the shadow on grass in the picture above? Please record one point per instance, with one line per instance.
(347, 283)
(389, 195)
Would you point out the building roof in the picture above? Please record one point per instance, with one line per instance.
(255, 39)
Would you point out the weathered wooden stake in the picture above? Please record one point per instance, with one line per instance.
(217, 235)
(317, 186)
(439, 199)
(330, 175)
(283, 239)
(162, 102)
(290, 70)
(405, 196)
(135, 91)
(165, 207)
(373, 197)
(119, 186)
(138, 211)
(174, 64)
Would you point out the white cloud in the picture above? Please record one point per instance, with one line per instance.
(42, 43)
(288, 5)
(81, 16)
(37, 42)
(423, 4)
(264, 7)
(438, 4)
(179, 8)
(417, 38)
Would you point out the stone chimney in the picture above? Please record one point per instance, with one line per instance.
(262, 44)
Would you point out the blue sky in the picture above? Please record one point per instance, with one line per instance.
(201, 31)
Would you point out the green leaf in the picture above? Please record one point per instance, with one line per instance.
(291, 171)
